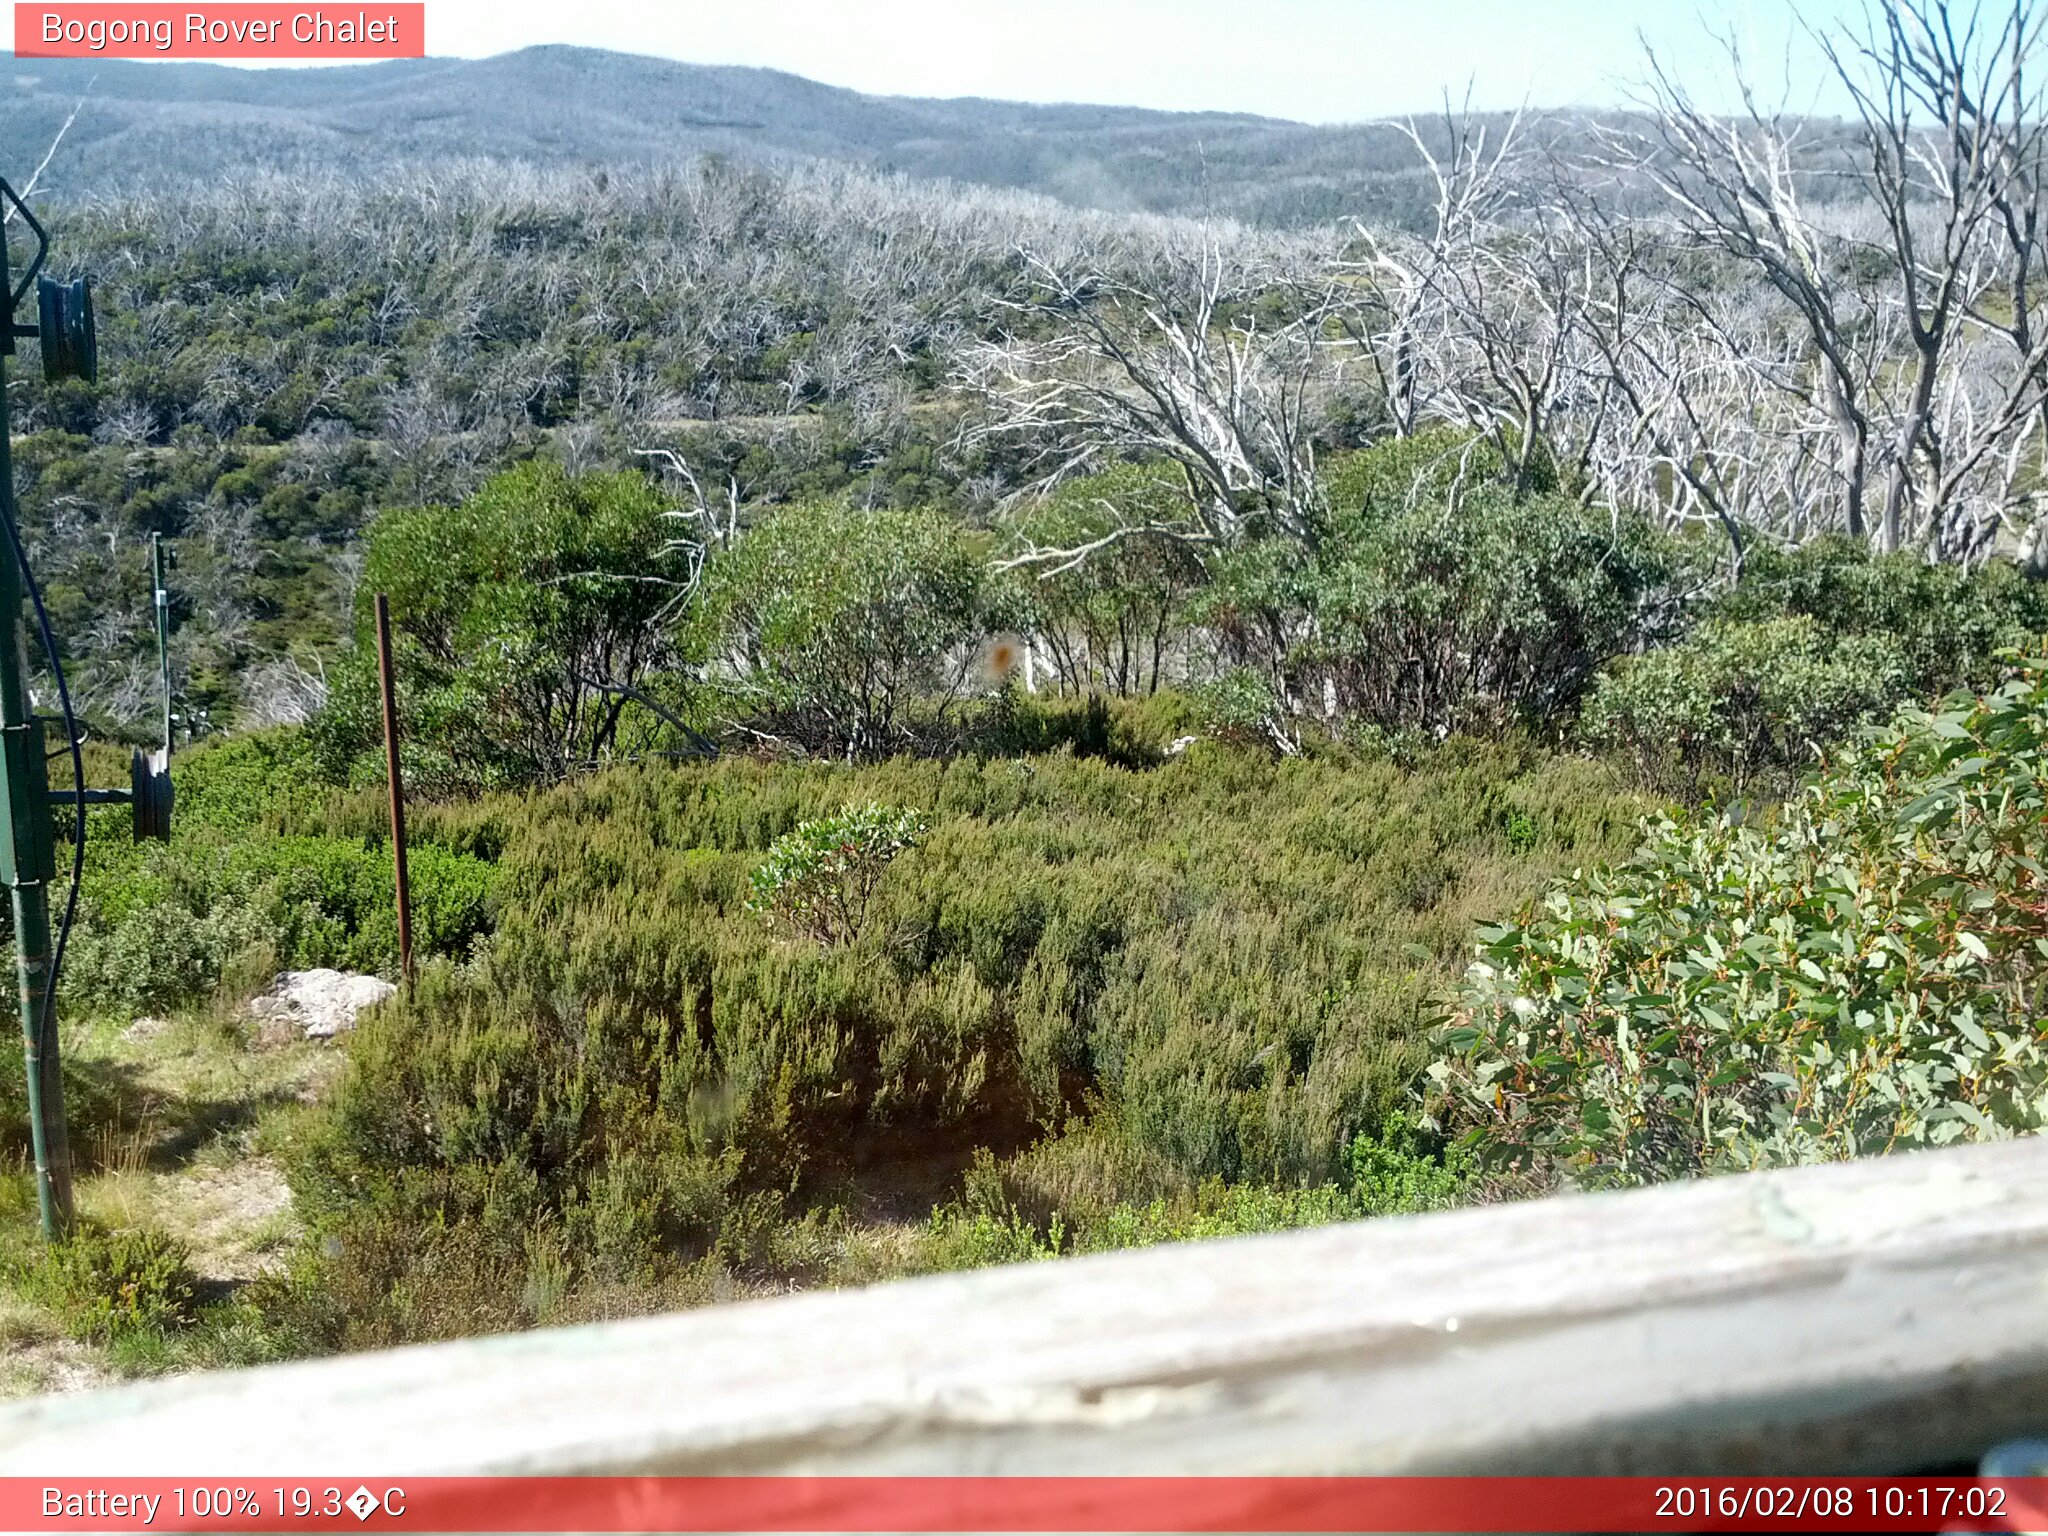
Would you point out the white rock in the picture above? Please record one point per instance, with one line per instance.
(323, 1002)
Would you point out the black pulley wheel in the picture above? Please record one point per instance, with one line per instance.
(70, 348)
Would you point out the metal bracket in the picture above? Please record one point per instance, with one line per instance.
(16, 292)
(27, 856)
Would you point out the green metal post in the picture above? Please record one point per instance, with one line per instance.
(163, 632)
(28, 865)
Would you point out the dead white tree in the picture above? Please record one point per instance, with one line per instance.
(1736, 186)
(1414, 284)
(1898, 295)
(1481, 322)
(704, 527)
(1931, 100)
(1219, 361)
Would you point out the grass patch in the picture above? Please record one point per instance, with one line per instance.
(185, 1220)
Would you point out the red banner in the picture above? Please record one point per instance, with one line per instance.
(229, 31)
(1020, 1504)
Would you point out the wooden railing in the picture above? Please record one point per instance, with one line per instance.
(1889, 1315)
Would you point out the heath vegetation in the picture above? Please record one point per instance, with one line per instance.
(948, 728)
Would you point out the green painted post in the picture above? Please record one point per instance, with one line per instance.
(28, 865)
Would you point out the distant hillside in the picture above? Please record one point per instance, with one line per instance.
(146, 121)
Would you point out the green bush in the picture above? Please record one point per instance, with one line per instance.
(1115, 619)
(1478, 612)
(263, 860)
(958, 1237)
(832, 625)
(1221, 1210)
(1435, 598)
(105, 1284)
(1399, 1171)
(820, 878)
(1426, 470)
(162, 955)
(1863, 976)
(532, 627)
(1743, 697)
(1000, 1219)
(1813, 642)
(1223, 965)
(1949, 622)
(1240, 706)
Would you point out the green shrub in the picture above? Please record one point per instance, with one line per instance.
(1398, 1172)
(958, 1237)
(1435, 598)
(1862, 976)
(1223, 966)
(1014, 723)
(1949, 622)
(1240, 706)
(258, 864)
(165, 934)
(1220, 1210)
(1743, 697)
(1423, 471)
(1520, 829)
(1393, 1172)
(1812, 643)
(832, 625)
(820, 878)
(1114, 619)
(1479, 612)
(531, 628)
(162, 955)
(104, 1284)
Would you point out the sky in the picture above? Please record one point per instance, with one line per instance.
(1312, 60)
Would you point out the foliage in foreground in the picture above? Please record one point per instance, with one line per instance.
(130, 1296)
(105, 1284)
(1861, 976)
(1025, 1209)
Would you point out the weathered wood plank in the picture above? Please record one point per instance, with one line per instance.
(1866, 1317)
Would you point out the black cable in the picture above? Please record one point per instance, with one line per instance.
(35, 597)
(35, 593)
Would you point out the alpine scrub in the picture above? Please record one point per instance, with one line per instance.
(1152, 1002)
(1863, 976)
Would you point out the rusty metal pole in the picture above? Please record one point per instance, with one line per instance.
(404, 887)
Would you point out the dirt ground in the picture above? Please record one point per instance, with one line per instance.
(175, 1125)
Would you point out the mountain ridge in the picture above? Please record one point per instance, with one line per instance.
(144, 122)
